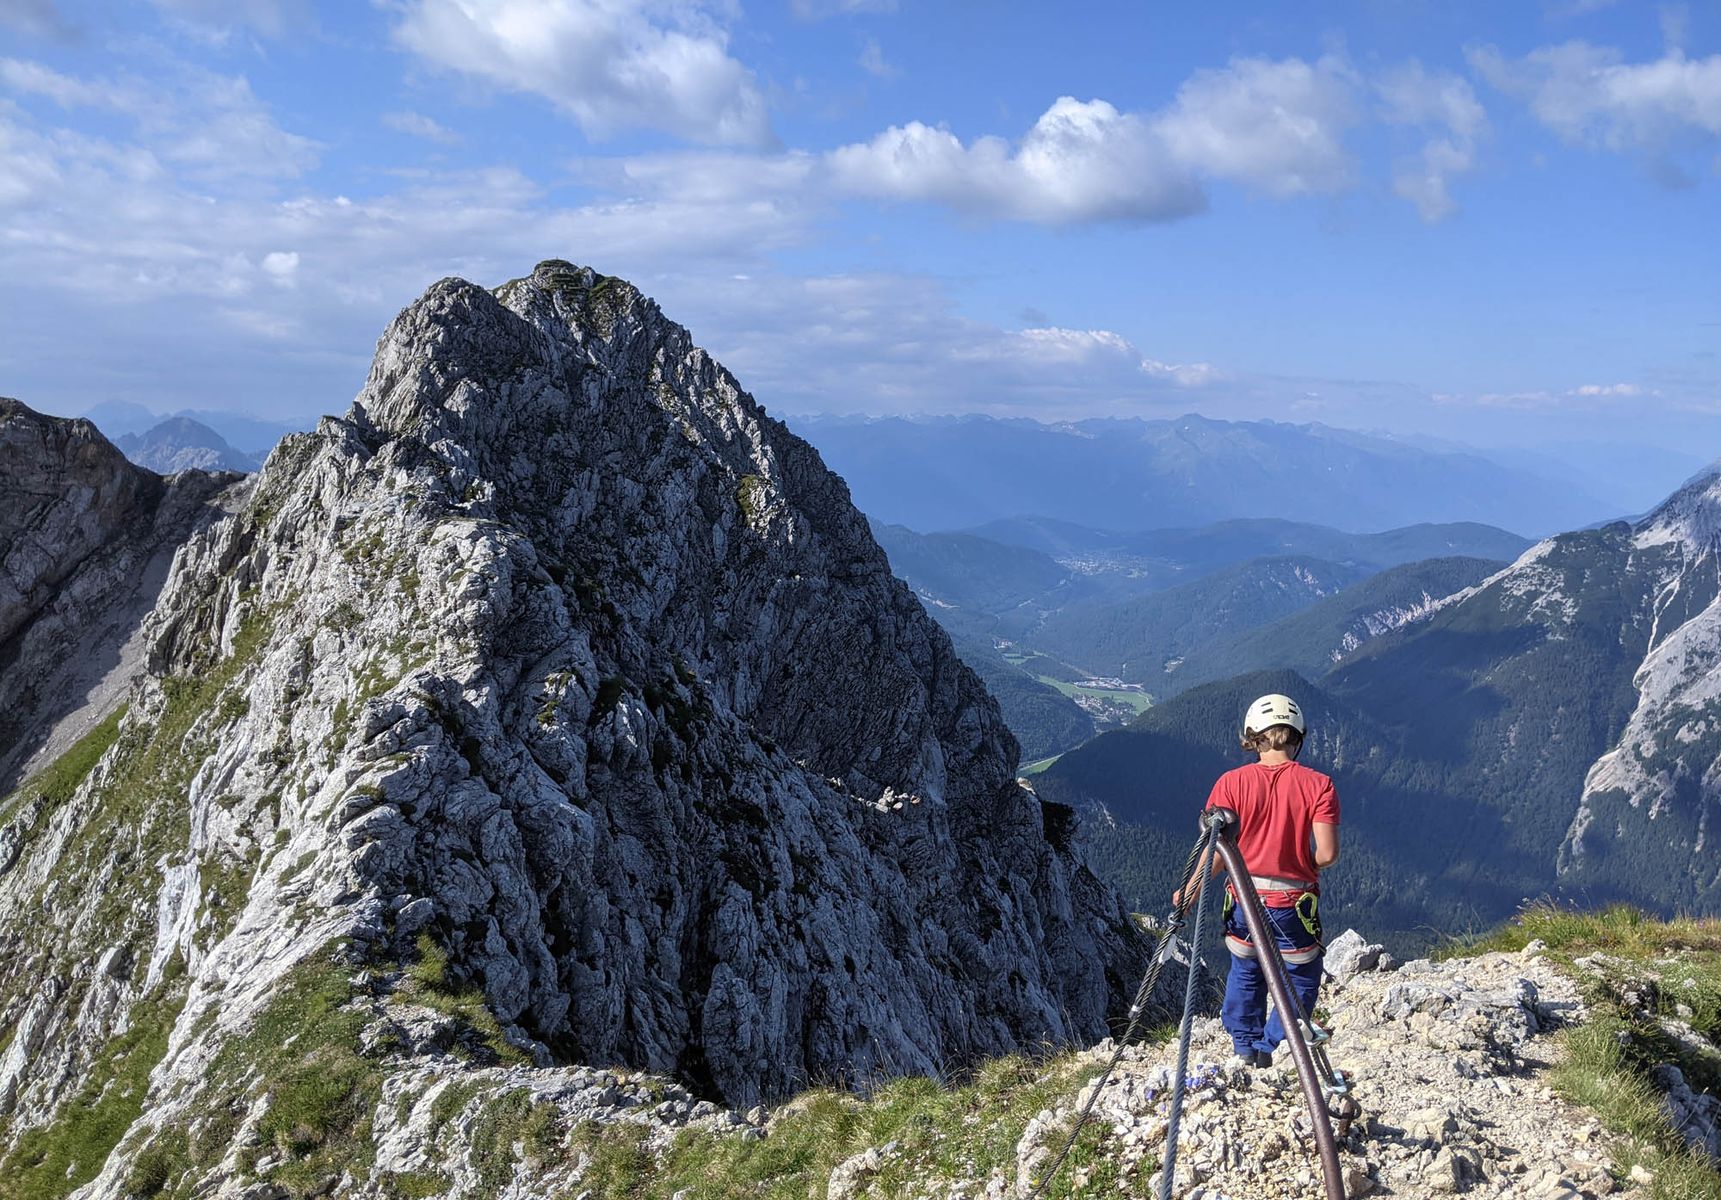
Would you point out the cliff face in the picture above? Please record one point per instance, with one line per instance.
(85, 542)
(558, 660)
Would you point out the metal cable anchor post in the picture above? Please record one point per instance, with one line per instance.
(1279, 985)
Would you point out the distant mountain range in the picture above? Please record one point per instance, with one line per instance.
(248, 435)
(1166, 609)
(181, 444)
(1551, 729)
(963, 472)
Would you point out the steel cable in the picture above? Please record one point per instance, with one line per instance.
(1199, 853)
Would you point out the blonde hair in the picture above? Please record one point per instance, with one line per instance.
(1274, 737)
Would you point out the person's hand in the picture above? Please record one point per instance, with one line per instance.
(1177, 898)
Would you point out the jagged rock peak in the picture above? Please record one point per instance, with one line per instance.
(558, 658)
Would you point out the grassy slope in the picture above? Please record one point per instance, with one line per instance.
(1609, 1057)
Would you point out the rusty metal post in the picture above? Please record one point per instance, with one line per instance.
(1279, 984)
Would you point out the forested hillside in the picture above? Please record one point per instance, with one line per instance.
(1550, 730)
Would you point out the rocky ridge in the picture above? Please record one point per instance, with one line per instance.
(558, 659)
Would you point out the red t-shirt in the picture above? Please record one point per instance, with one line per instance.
(1276, 807)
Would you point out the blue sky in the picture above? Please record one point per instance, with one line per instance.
(1480, 222)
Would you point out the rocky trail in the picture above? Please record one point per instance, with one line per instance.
(1447, 1060)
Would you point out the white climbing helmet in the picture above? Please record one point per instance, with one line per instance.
(1273, 710)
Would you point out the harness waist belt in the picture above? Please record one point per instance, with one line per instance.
(1272, 883)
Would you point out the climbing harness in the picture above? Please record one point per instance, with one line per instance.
(1326, 1090)
(1323, 1086)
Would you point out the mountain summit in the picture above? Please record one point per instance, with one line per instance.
(559, 687)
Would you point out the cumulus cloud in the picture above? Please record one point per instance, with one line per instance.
(1588, 95)
(1446, 106)
(1276, 127)
(1081, 161)
(612, 65)
(420, 126)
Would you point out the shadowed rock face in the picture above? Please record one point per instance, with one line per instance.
(84, 541)
(559, 652)
(64, 493)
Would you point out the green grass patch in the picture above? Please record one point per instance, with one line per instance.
(303, 1051)
(428, 981)
(50, 1161)
(56, 782)
(1136, 702)
(1672, 968)
(942, 1131)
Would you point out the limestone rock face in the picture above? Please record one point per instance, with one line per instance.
(558, 657)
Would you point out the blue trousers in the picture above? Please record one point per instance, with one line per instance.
(1244, 1012)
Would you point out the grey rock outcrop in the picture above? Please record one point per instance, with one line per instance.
(1349, 954)
(558, 656)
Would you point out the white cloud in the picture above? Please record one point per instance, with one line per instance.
(1585, 396)
(1273, 126)
(282, 266)
(1439, 101)
(872, 60)
(610, 64)
(211, 123)
(421, 126)
(885, 343)
(1276, 126)
(1587, 95)
(1080, 162)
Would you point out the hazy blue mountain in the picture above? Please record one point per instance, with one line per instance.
(1142, 640)
(252, 437)
(968, 571)
(1185, 552)
(1314, 640)
(255, 436)
(181, 444)
(956, 473)
(116, 418)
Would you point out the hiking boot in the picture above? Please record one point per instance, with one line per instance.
(1261, 1059)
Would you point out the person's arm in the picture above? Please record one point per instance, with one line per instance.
(1326, 845)
(1217, 868)
(1214, 798)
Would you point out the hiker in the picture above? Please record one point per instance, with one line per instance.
(1287, 832)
